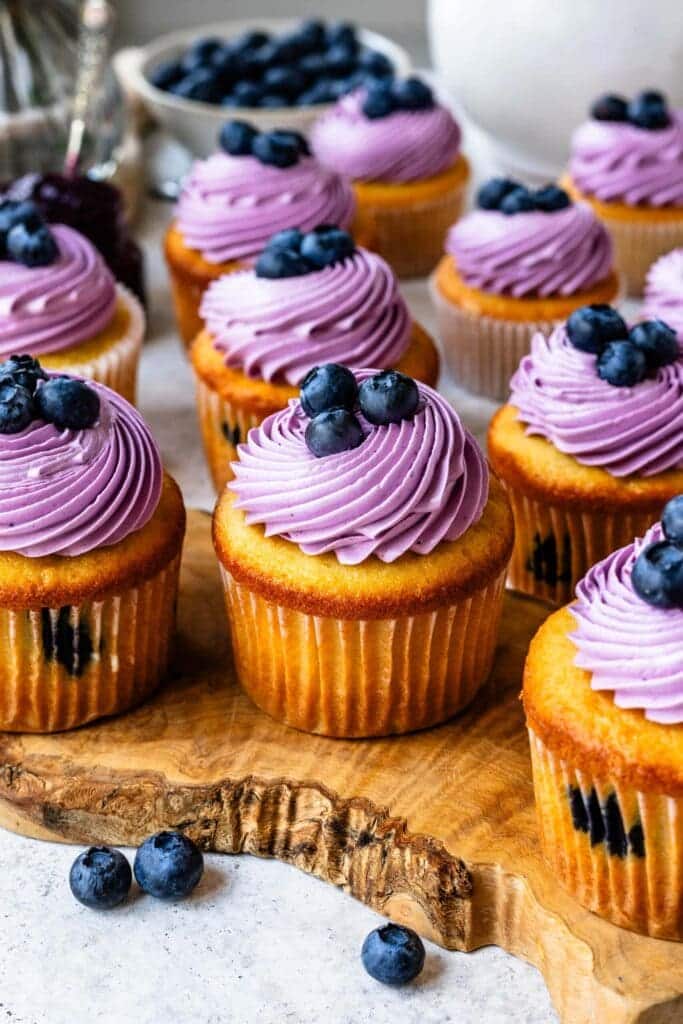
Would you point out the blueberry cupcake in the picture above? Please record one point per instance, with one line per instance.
(90, 536)
(312, 299)
(603, 695)
(59, 301)
(231, 204)
(589, 446)
(401, 150)
(663, 299)
(518, 264)
(627, 162)
(363, 548)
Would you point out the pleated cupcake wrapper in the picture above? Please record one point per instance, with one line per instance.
(555, 546)
(117, 365)
(638, 245)
(223, 426)
(62, 667)
(411, 239)
(617, 850)
(352, 678)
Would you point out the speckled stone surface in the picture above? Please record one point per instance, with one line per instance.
(258, 941)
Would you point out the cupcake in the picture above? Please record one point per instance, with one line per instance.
(518, 264)
(401, 150)
(663, 298)
(363, 555)
(627, 162)
(590, 445)
(90, 537)
(259, 183)
(59, 301)
(603, 695)
(312, 299)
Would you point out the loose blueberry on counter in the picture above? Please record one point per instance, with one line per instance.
(388, 397)
(168, 865)
(610, 108)
(281, 262)
(590, 328)
(100, 878)
(657, 575)
(519, 200)
(413, 94)
(649, 110)
(237, 138)
(16, 406)
(551, 198)
(330, 386)
(24, 370)
(657, 341)
(323, 247)
(672, 519)
(622, 364)
(67, 403)
(492, 192)
(332, 432)
(393, 954)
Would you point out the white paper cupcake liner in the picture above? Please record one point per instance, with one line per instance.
(223, 426)
(637, 245)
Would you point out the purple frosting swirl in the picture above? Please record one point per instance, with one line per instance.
(629, 646)
(351, 313)
(405, 146)
(664, 292)
(231, 205)
(533, 253)
(624, 430)
(407, 487)
(47, 309)
(67, 492)
(617, 161)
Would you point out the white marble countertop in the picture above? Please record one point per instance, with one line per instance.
(258, 940)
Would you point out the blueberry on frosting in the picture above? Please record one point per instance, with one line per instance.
(492, 192)
(16, 406)
(610, 107)
(278, 148)
(388, 397)
(590, 328)
(237, 138)
(27, 393)
(328, 387)
(291, 253)
(657, 341)
(24, 370)
(68, 403)
(672, 520)
(510, 197)
(657, 574)
(24, 236)
(385, 97)
(622, 364)
(648, 110)
(332, 432)
(624, 357)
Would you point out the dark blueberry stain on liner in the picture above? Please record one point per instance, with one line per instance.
(70, 646)
(233, 435)
(544, 563)
(605, 823)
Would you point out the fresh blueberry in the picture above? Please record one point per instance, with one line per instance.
(672, 519)
(100, 878)
(413, 94)
(657, 341)
(166, 74)
(322, 249)
(68, 403)
(379, 102)
(340, 60)
(312, 35)
(16, 406)
(388, 397)
(622, 364)
(290, 238)
(227, 69)
(313, 65)
(24, 370)
(290, 137)
(393, 954)
(332, 432)
(657, 575)
(610, 108)
(341, 33)
(376, 63)
(590, 328)
(492, 192)
(330, 386)
(288, 81)
(244, 94)
(251, 40)
(237, 138)
(276, 148)
(320, 92)
(32, 248)
(27, 213)
(200, 53)
(202, 84)
(168, 865)
(649, 110)
(519, 200)
(276, 263)
(551, 198)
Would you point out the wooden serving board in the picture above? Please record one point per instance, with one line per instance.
(435, 830)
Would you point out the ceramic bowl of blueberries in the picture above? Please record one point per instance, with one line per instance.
(274, 73)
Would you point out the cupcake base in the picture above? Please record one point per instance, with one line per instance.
(407, 223)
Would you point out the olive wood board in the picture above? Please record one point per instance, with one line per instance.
(435, 830)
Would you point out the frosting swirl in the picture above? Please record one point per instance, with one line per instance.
(67, 492)
(231, 205)
(559, 395)
(533, 253)
(404, 146)
(617, 161)
(351, 312)
(46, 309)
(631, 647)
(407, 487)
(664, 291)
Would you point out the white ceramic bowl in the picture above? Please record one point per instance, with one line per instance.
(197, 124)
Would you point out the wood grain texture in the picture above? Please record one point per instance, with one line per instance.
(436, 830)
